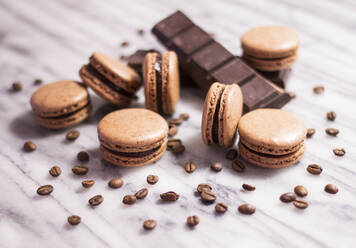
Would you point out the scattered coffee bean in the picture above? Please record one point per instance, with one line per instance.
(72, 135)
(207, 196)
(288, 197)
(16, 86)
(193, 220)
(221, 208)
(310, 132)
(247, 209)
(292, 95)
(29, 146)
(80, 170)
(300, 190)
(123, 57)
(175, 121)
(141, 31)
(331, 115)
(55, 171)
(190, 167)
(331, 188)
(300, 204)
(149, 224)
(74, 220)
(203, 186)
(96, 200)
(174, 143)
(332, 131)
(238, 166)
(83, 156)
(129, 199)
(88, 183)
(314, 169)
(339, 152)
(173, 130)
(141, 194)
(152, 179)
(248, 187)
(169, 196)
(178, 149)
(125, 44)
(45, 190)
(216, 167)
(184, 116)
(231, 154)
(318, 89)
(116, 183)
(37, 81)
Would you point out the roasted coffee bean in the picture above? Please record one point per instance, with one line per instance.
(300, 204)
(175, 121)
(190, 167)
(29, 146)
(88, 183)
(331, 188)
(288, 197)
(339, 152)
(45, 190)
(331, 115)
(203, 186)
(247, 209)
(129, 199)
(193, 220)
(169, 196)
(72, 135)
(141, 31)
(125, 44)
(220, 208)
(173, 130)
(37, 81)
(55, 171)
(332, 131)
(300, 190)
(16, 86)
(80, 170)
(96, 200)
(142, 193)
(314, 169)
(83, 156)
(152, 179)
(318, 89)
(207, 196)
(174, 143)
(184, 116)
(116, 183)
(178, 149)
(238, 166)
(74, 220)
(310, 132)
(292, 95)
(231, 154)
(248, 187)
(149, 224)
(216, 167)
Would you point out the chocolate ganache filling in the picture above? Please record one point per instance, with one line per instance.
(158, 70)
(134, 154)
(215, 129)
(66, 114)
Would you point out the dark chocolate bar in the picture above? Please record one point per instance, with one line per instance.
(207, 61)
(280, 77)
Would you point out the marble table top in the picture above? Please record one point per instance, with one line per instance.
(52, 39)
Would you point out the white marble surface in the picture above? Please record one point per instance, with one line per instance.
(52, 39)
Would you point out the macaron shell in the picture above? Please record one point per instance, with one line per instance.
(270, 42)
(149, 79)
(270, 64)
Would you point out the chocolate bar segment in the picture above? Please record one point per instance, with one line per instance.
(280, 77)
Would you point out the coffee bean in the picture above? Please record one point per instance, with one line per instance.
(332, 131)
(231, 154)
(37, 81)
(45, 190)
(247, 209)
(300, 204)
(72, 135)
(292, 95)
(88, 183)
(80, 170)
(16, 86)
(129, 199)
(116, 183)
(331, 115)
(74, 220)
(125, 44)
(238, 166)
(141, 194)
(314, 169)
(190, 167)
(149, 224)
(248, 187)
(184, 116)
(152, 179)
(339, 152)
(29, 146)
(178, 149)
(173, 130)
(220, 208)
(141, 31)
(288, 197)
(169, 196)
(55, 171)
(96, 200)
(193, 220)
(175, 121)
(331, 188)
(174, 143)
(203, 186)
(207, 196)
(216, 167)
(318, 89)
(310, 132)
(300, 190)
(83, 156)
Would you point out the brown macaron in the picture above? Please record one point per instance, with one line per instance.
(221, 114)
(110, 79)
(61, 104)
(161, 81)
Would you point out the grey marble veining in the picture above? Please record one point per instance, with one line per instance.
(52, 39)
